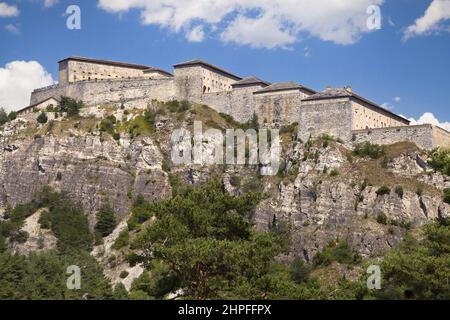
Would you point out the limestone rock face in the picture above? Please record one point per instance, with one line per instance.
(38, 239)
(88, 169)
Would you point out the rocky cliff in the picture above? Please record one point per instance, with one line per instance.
(322, 189)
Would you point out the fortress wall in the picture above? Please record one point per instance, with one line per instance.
(99, 92)
(85, 71)
(441, 137)
(188, 83)
(421, 135)
(219, 101)
(333, 117)
(278, 107)
(366, 116)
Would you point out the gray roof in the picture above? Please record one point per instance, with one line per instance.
(284, 86)
(152, 69)
(34, 105)
(107, 62)
(337, 93)
(192, 63)
(250, 81)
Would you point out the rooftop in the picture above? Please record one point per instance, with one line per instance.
(284, 86)
(107, 62)
(152, 69)
(337, 93)
(250, 81)
(192, 63)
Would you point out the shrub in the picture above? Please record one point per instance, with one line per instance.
(122, 240)
(235, 181)
(116, 136)
(45, 220)
(383, 191)
(299, 271)
(3, 117)
(339, 252)
(12, 116)
(70, 106)
(366, 149)
(440, 161)
(447, 195)
(124, 274)
(399, 191)
(42, 118)
(419, 191)
(334, 173)
(381, 218)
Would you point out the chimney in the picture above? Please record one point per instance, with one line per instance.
(348, 89)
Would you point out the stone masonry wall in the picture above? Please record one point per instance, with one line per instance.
(422, 135)
(278, 107)
(333, 117)
(109, 91)
(441, 137)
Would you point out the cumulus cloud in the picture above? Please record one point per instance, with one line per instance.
(429, 118)
(397, 99)
(50, 3)
(12, 28)
(257, 23)
(18, 79)
(7, 10)
(437, 12)
(196, 34)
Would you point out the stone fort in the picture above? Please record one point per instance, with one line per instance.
(339, 112)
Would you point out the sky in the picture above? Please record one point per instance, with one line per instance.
(393, 52)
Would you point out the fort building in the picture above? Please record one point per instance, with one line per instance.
(339, 112)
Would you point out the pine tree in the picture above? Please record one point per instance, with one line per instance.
(106, 220)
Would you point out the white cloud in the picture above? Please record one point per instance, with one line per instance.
(397, 99)
(437, 12)
(50, 3)
(257, 23)
(196, 34)
(12, 28)
(387, 106)
(18, 79)
(7, 10)
(429, 118)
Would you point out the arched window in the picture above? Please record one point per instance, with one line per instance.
(204, 89)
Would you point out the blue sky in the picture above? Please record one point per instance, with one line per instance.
(409, 76)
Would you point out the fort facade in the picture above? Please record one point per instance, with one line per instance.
(335, 111)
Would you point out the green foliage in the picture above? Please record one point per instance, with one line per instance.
(124, 274)
(366, 149)
(447, 195)
(70, 106)
(42, 118)
(440, 161)
(12, 116)
(43, 276)
(120, 292)
(107, 124)
(382, 218)
(106, 220)
(335, 251)
(122, 240)
(384, 190)
(334, 173)
(205, 237)
(419, 269)
(399, 191)
(300, 271)
(3, 117)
